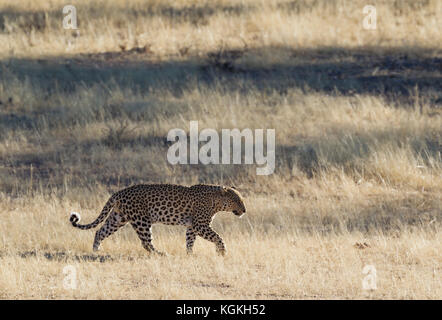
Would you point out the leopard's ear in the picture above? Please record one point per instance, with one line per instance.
(233, 187)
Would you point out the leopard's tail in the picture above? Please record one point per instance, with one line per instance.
(75, 216)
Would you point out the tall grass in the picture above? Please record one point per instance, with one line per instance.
(358, 178)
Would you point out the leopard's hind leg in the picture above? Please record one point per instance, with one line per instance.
(115, 221)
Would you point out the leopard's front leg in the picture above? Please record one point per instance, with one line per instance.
(206, 232)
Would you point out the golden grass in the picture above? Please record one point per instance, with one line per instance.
(358, 177)
(283, 261)
(167, 26)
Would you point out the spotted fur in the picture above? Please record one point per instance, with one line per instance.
(146, 204)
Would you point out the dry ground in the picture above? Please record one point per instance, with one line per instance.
(357, 114)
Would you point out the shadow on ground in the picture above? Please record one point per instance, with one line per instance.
(62, 256)
(398, 74)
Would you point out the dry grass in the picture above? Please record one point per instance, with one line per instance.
(283, 260)
(358, 177)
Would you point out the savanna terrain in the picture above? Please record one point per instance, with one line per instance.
(357, 119)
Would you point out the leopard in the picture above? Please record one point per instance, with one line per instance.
(143, 205)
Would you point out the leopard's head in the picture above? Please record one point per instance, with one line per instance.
(232, 201)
